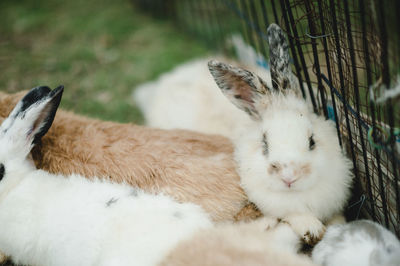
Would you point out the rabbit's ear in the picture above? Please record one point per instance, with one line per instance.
(32, 116)
(243, 88)
(281, 74)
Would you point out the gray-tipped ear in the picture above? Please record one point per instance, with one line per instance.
(281, 74)
(243, 88)
(33, 115)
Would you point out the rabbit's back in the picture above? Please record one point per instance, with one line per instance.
(179, 163)
(187, 98)
(82, 222)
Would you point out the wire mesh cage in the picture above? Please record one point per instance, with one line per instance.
(346, 56)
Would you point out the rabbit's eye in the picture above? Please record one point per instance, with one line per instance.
(265, 144)
(2, 171)
(311, 143)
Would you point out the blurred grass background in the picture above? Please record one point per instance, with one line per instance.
(99, 50)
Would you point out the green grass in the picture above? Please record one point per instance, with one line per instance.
(99, 50)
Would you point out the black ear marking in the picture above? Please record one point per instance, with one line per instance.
(50, 112)
(311, 142)
(2, 171)
(33, 96)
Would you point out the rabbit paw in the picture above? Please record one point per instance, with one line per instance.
(269, 222)
(308, 227)
(264, 223)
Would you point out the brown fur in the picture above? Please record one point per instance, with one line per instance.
(233, 245)
(304, 170)
(274, 168)
(189, 166)
(248, 212)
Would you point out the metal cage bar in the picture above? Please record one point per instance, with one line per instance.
(340, 46)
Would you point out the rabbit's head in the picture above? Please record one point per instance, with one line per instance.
(291, 145)
(285, 146)
(24, 127)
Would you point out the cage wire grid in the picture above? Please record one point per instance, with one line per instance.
(346, 54)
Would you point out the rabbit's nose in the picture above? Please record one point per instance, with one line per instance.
(288, 182)
(288, 176)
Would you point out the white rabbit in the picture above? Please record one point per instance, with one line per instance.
(289, 159)
(48, 219)
(359, 243)
(187, 98)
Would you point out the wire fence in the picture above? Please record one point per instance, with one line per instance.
(346, 55)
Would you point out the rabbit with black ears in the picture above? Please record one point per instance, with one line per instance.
(359, 243)
(49, 219)
(289, 159)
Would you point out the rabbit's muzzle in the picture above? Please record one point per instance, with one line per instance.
(289, 173)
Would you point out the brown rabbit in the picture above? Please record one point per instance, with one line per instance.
(189, 166)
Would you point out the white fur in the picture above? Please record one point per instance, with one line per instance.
(281, 171)
(188, 98)
(361, 243)
(288, 124)
(314, 197)
(185, 98)
(260, 242)
(48, 219)
(246, 53)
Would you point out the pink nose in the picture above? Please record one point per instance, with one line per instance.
(288, 182)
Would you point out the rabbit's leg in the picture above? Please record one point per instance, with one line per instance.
(307, 226)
